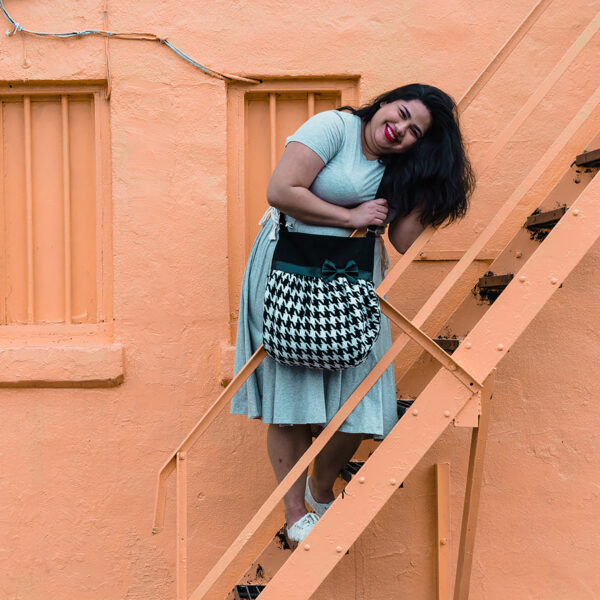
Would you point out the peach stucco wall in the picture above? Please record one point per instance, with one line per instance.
(79, 465)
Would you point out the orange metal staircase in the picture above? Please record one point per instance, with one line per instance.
(457, 392)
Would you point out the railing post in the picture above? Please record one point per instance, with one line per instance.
(181, 526)
(443, 537)
(472, 495)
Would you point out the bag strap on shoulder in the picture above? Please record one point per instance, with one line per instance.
(361, 232)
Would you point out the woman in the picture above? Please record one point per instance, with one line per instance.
(407, 145)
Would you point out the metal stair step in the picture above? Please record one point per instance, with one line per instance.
(350, 469)
(403, 406)
(589, 159)
(247, 592)
(448, 345)
(544, 220)
(490, 286)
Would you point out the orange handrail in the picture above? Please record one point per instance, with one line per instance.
(232, 556)
(436, 406)
(233, 561)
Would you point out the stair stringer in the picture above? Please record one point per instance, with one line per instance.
(440, 401)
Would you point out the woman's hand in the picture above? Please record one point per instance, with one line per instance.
(289, 192)
(372, 212)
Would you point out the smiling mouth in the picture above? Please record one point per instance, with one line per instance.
(390, 135)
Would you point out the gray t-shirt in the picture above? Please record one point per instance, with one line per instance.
(348, 177)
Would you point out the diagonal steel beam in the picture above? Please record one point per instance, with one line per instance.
(441, 400)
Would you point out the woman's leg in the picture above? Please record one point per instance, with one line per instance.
(329, 462)
(285, 446)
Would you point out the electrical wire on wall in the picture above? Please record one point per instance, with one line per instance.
(147, 37)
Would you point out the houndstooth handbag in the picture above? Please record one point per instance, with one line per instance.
(321, 310)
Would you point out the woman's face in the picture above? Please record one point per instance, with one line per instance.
(395, 127)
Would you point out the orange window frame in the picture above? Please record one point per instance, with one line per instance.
(98, 326)
(250, 163)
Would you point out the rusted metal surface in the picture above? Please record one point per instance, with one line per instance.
(490, 286)
(545, 219)
(448, 345)
(589, 159)
(494, 281)
(273, 555)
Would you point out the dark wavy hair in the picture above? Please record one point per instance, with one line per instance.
(434, 173)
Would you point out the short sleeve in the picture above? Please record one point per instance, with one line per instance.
(323, 133)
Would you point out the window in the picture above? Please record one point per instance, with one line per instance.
(54, 205)
(55, 238)
(260, 117)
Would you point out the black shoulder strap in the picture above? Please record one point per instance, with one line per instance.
(371, 231)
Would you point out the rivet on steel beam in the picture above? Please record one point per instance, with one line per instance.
(554, 281)
(468, 345)
(522, 279)
(518, 254)
(393, 481)
(575, 212)
(339, 549)
(451, 367)
(181, 455)
(307, 547)
(444, 541)
(500, 347)
(446, 413)
(361, 480)
(415, 412)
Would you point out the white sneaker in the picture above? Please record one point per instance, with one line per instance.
(318, 507)
(301, 528)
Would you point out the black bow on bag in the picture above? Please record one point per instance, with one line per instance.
(321, 310)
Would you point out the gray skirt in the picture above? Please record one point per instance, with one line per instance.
(286, 395)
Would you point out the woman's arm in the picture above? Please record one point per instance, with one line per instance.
(288, 191)
(403, 232)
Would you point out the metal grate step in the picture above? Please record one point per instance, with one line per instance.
(247, 592)
(350, 469)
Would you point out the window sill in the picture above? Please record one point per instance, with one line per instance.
(54, 365)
